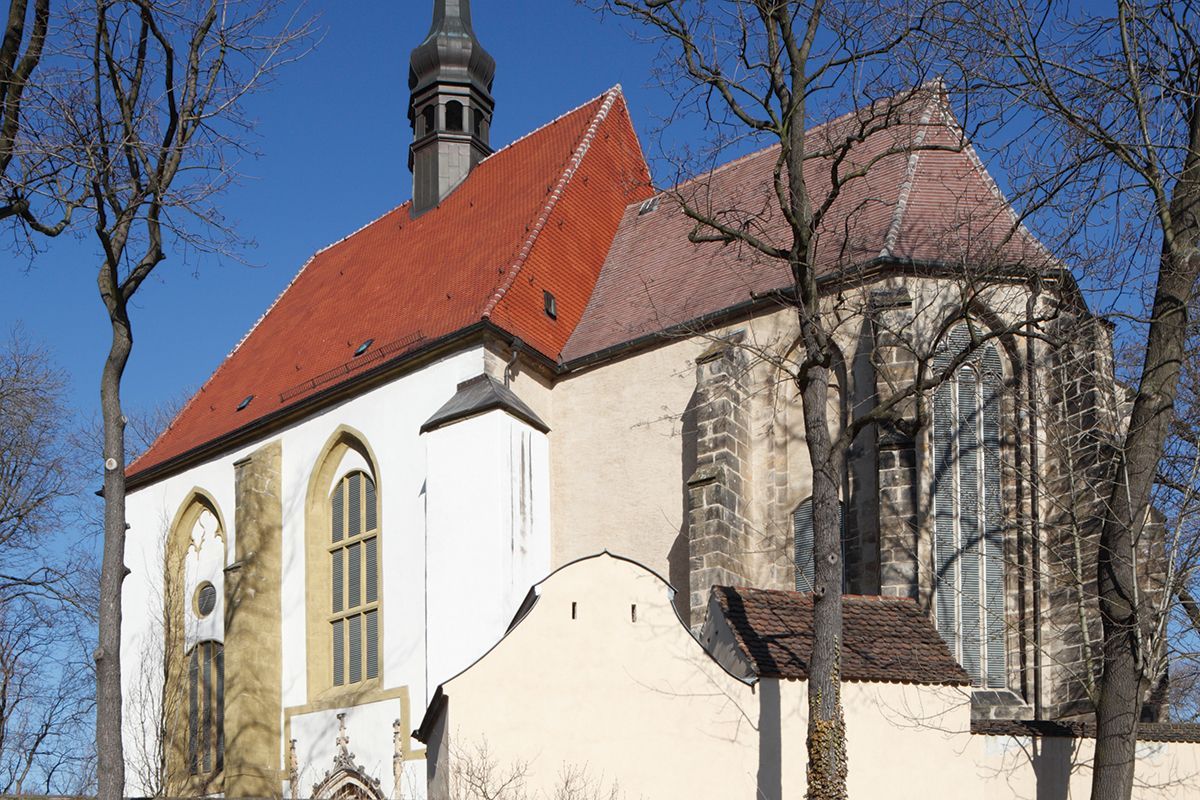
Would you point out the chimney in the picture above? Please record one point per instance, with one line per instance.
(450, 105)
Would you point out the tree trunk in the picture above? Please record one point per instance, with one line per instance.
(110, 766)
(827, 763)
(1125, 671)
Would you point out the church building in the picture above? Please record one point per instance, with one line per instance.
(530, 363)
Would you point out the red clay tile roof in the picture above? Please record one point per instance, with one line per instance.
(923, 196)
(885, 639)
(536, 215)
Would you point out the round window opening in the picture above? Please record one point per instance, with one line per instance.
(206, 599)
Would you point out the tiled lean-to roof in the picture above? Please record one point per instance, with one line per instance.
(536, 216)
(884, 638)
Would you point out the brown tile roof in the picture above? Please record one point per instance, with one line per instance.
(1147, 731)
(536, 215)
(885, 639)
(923, 196)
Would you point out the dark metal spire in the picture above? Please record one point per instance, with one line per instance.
(450, 108)
(451, 52)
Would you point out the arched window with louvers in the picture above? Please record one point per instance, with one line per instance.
(968, 544)
(206, 708)
(353, 558)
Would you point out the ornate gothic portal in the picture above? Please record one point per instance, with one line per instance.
(347, 780)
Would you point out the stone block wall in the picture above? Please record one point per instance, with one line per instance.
(717, 490)
(895, 443)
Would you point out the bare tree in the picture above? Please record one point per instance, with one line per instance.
(44, 631)
(1108, 104)
(161, 119)
(36, 184)
(763, 70)
(141, 115)
(35, 465)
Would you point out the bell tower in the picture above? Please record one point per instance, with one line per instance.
(450, 104)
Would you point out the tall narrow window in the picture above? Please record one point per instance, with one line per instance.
(968, 530)
(354, 580)
(206, 708)
(802, 531)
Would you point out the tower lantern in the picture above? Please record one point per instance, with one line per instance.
(450, 105)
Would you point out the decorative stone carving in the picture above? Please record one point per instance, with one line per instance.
(347, 780)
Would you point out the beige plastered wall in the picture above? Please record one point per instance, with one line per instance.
(638, 705)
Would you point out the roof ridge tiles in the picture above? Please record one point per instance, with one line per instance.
(581, 149)
(615, 88)
(910, 176)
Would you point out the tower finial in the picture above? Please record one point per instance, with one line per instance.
(450, 108)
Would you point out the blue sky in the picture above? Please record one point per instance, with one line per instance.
(333, 137)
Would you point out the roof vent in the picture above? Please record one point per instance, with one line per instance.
(245, 402)
(550, 304)
(362, 348)
(649, 205)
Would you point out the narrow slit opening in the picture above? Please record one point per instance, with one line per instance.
(572, 610)
(633, 613)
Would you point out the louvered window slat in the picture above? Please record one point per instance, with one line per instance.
(206, 727)
(371, 509)
(354, 505)
(968, 520)
(804, 541)
(194, 712)
(372, 643)
(354, 627)
(371, 546)
(220, 707)
(336, 572)
(945, 540)
(993, 525)
(339, 657)
(354, 575)
(802, 530)
(337, 505)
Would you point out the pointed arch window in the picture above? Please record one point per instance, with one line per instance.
(206, 708)
(354, 579)
(803, 538)
(968, 529)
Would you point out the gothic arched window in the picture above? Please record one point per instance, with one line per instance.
(206, 708)
(968, 531)
(354, 579)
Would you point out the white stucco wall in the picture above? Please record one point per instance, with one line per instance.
(488, 512)
(411, 471)
(640, 705)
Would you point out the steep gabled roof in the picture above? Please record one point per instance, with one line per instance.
(885, 639)
(536, 216)
(910, 189)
